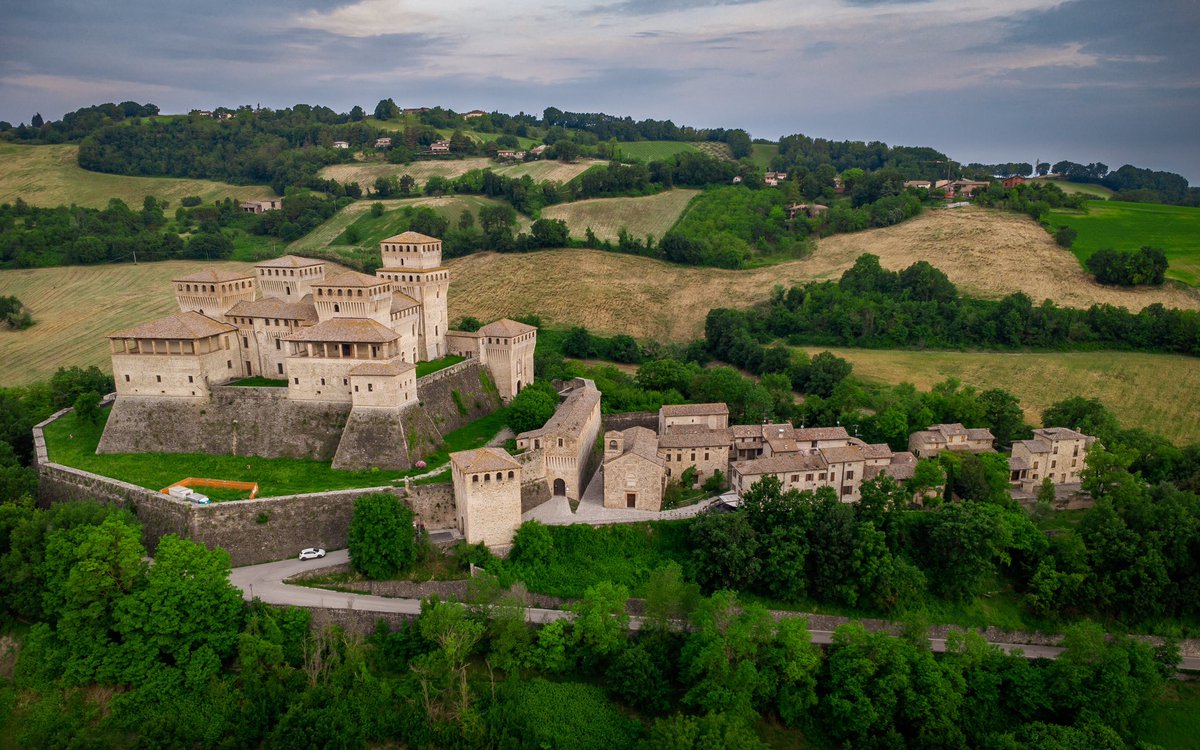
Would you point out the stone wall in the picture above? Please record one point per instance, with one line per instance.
(647, 419)
(385, 438)
(476, 394)
(233, 421)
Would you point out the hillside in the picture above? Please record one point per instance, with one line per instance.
(1157, 392)
(49, 176)
(651, 214)
(990, 253)
(365, 173)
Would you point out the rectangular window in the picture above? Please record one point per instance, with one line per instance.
(158, 378)
(229, 363)
(849, 474)
(126, 378)
(808, 477)
(278, 344)
(190, 379)
(821, 476)
(245, 343)
(279, 367)
(296, 381)
(370, 387)
(795, 477)
(705, 455)
(1054, 464)
(356, 389)
(322, 381)
(846, 489)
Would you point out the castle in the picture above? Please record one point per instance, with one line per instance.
(350, 338)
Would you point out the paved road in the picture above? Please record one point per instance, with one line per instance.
(266, 582)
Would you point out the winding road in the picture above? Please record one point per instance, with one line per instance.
(267, 583)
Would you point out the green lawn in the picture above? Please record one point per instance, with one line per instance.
(424, 368)
(73, 443)
(653, 150)
(1129, 226)
(1087, 188)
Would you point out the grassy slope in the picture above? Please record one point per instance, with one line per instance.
(653, 150)
(762, 153)
(1098, 191)
(275, 476)
(652, 214)
(1173, 721)
(1129, 226)
(49, 176)
(1159, 392)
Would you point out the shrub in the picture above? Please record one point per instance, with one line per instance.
(1065, 236)
(191, 201)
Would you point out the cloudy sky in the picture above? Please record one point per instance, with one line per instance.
(984, 80)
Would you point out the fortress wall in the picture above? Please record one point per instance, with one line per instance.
(647, 419)
(234, 421)
(476, 393)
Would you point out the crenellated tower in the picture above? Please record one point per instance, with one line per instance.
(413, 263)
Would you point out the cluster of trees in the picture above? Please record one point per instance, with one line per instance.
(77, 124)
(611, 127)
(1034, 199)
(33, 237)
(919, 306)
(801, 152)
(1130, 183)
(1007, 169)
(1129, 268)
(14, 314)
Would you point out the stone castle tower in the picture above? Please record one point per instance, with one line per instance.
(413, 263)
(212, 292)
(487, 495)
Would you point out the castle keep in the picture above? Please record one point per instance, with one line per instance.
(347, 346)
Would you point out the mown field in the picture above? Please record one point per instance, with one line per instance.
(651, 214)
(1158, 392)
(77, 306)
(50, 176)
(365, 173)
(762, 154)
(1129, 226)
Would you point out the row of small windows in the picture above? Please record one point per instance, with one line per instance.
(290, 271)
(349, 293)
(213, 287)
(426, 248)
(488, 477)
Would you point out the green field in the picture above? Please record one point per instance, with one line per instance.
(1173, 721)
(1087, 188)
(762, 154)
(1158, 392)
(50, 176)
(1129, 226)
(652, 150)
(73, 443)
(641, 216)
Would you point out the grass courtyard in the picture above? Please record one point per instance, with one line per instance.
(72, 442)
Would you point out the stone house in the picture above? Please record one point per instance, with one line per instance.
(487, 495)
(258, 207)
(712, 416)
(844, 468)
(697, 446)
(439, 147)
(383, 143)
(1055, 452)
(341, 144)
(633, 470)
(1011, 182)
(950, 437)
(565, 443)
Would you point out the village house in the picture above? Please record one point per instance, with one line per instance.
(1011, 182)
(383, 143)
(713, 416)
(703, 448)
(565, 442)
(950, 437)
(633, 471)
(439, 147)
(918, 184)
(772, 179)
(843, 468)
(538, 150)
(1055, 452)
(341, 144)
(811, 210)
(258, 207)
(473, 114)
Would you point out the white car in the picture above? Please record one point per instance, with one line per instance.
(311, 553)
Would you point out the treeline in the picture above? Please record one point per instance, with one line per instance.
(810, 154)
(32, 237)
(605, 127)
(75, 125)
(1129, 268)
(1130, 183)
(920, 307)
(1035, 199)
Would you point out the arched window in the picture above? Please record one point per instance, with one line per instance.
(475, 478)
(510, 475)
(337, 307)
(487, 477)
(612, 444)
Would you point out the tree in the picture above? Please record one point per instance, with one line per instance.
(550, 233)
(599, 630)
(87, 407)
(579, 343)
(1002, 411)
(725, 550)
(739, 143)
(531, 407)
(357, 114)
(380, 538)
(1065, 236)
(386, 109)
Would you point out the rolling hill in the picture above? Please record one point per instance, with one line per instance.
(49, 176)
(651, 214)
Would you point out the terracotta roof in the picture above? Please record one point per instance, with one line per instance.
(276, 307)
(389, 367)
(185, 325)
(352, 279)
(346, 330)
(694, 410)
(401, 301)
(483, 459)
(412, 238)
(694, 439)
(505, 328)
(821, 433)
(289, 261)
(780, 464)
(841, 455)
(216, 276)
